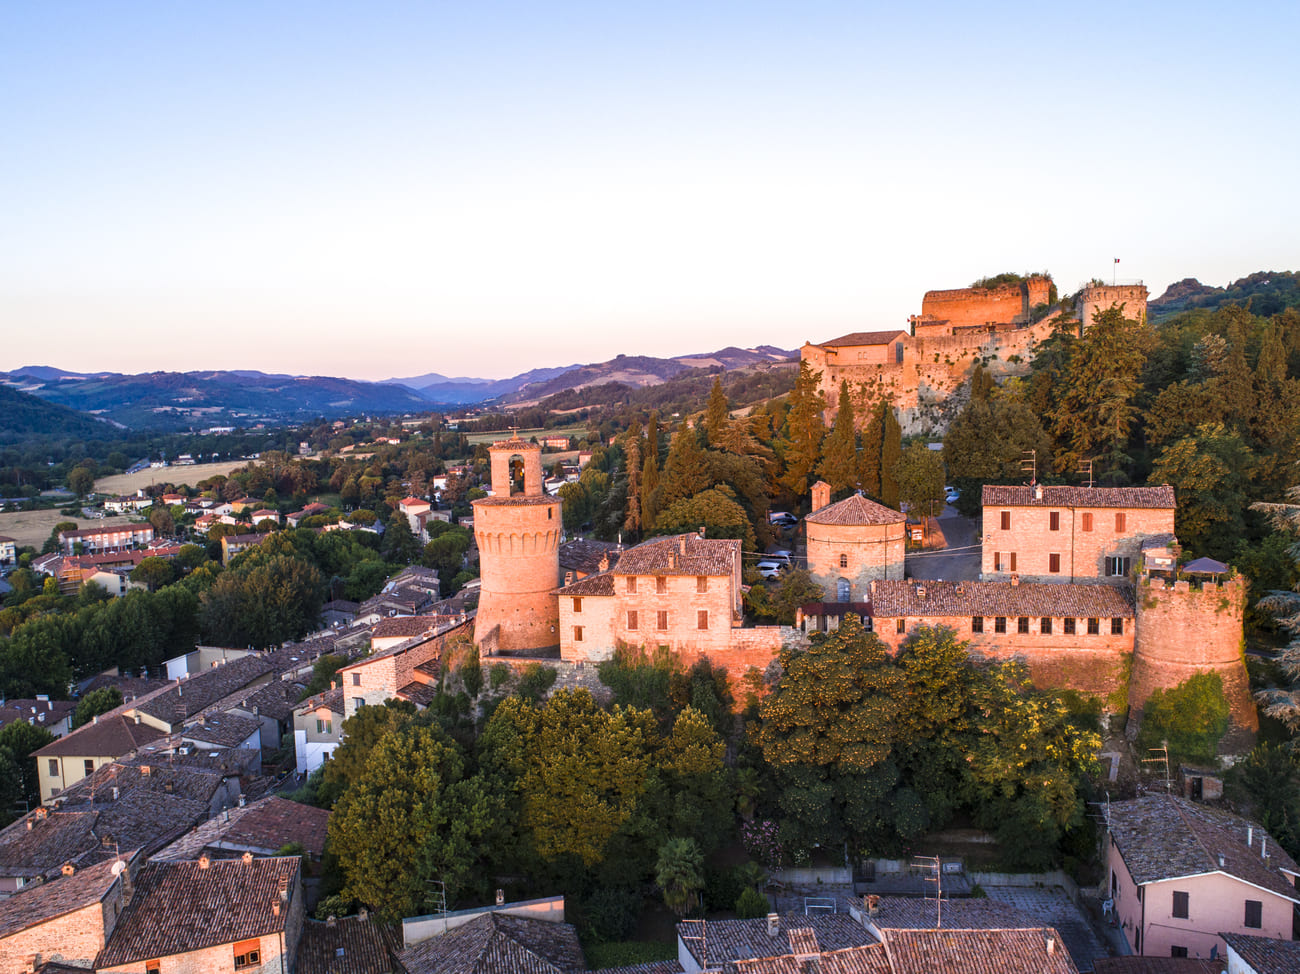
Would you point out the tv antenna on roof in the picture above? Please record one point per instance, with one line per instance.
(933, 864)
(1029, 465)
(1085, 467)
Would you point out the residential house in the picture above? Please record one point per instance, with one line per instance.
(271, 705)
(263, 827)
(127, 504)
(412, 508)
(219, 731)
(68, 919)
(583, 557)
(317, 729)
(233, 544)
(65, 761)
(349, 945)
(1261, 955)
(54, 715)
(1182, 875)
(406, 671)
(210, 915)
(8, 551)
(339, 612)
(1065, 534)
(93, 540)
(311, 510)
(498, 942)
(265, 514)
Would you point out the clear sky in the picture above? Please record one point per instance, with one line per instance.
(385, 189)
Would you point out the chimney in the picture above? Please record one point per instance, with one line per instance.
(1250, 836)
(821, 495)
(330, 921)
(95, 719)
(1263, 846)
(68, 869)
(363, 914)
(1015, 578)
(204, 861)
(700, 532)
(1051, 946)
(501, 897)
(246, 858)
(1038, 496)
(1220, 860)
(682, 543)
(873, 904)
(773, 924)
(920, 592)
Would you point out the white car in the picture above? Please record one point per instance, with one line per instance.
(769, 569)
(950, 494)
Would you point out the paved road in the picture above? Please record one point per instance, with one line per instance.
(958, 560)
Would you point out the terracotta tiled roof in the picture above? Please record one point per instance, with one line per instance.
(890, 599)
(911, 913)
(651, 967)
(331, 698)
(516, 500)
(865, 338)
(1152, 497)
(275, 699)
(421, 694)
(1165, 837)
(979, 951)
(682, 554)
(222, 730)
(198, 784)
(586, 555)
(1264, 954)
(406, 626)
(413, 502)
(39, 713)
(348, 945)
(202, 690)
(1134, 964)
(262, 827)
(180, 906)
(593, 585)
(515, 443)
(870, 959)
(856, 510)
(496, 943)
(108, 737)
(730, 940)
(57, 897)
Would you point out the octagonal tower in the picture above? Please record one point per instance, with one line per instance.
(518, 535)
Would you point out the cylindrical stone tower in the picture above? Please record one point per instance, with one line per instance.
(518, 537)
(1184, 629)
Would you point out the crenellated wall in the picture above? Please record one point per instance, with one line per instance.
(1132, 299)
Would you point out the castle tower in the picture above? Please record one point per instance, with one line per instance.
(1131, 298)
(1185, 628)
(518, 535)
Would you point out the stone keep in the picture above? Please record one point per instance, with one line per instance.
(518, 535)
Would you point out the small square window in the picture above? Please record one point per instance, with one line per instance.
(1069, 626)
(1006, 520)
(701, 583)
(1254, 914)
(631, 584)
(1054, 521)
(661, 584)
(356, 679)
(901, 626)
(702, 619)
(844, 561)
(1054, 563)
(1176, 951)
(89, 766)
(1000, 624)
(577, 634)
(1022, 624)
(663, 620)
(977, 624)
(1094, 627)
(1045, 626)
(248, 953)
(631, 619)
(1117, 627)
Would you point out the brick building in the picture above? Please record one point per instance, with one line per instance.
(682, 592)
(408, 670)
(317, 729)
(106, 539)
(851, 543)
(1063, 534)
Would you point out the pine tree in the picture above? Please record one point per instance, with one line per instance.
(684, 474)
(869, 456)
(804, 431)
(838, 465)
(717, 414)
(891, 450)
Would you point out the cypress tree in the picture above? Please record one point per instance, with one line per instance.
(717, 414)
(891, 450)
(838, 465)
(804, 431)
(869, 456)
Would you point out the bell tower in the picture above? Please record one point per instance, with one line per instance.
(518, 535)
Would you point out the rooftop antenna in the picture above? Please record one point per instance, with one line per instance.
(1085, 467)
(1029, 464)
(1162, 755)
(702, 937)
(934, 864)
(437, 897)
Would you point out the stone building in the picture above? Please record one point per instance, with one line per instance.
(851, 543)
(1130, 298)
(518, 536)
(1065, 534)
(682, 592)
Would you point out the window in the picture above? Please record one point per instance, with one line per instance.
(1054, 521)
(320, 726)
(248, 953)
(1117, 627)
(1006, 520)
(152, 967)
(89, 766)
(663, 619)
(1000, 624)
(1254, 914)
(1086, 520)
(577, 634)
(701, 583)
(661, 584)
(631, 619)
(997, 561)
(1069, 626)
(844, 561)
(1022, 624)
(358, 703)
(1094, 627)
(902, 626)
(702, 619)
(898, 353)
(577, 605)
(1045, 626)
(1176, 951)
(631, 583)
(329, 726)
(843, 590)
(356, 679)
(1119, 522)
(1180, 905)
(1004, 561)
(977, 624)
(54, 767)
(1117, 565)
(1054, 563)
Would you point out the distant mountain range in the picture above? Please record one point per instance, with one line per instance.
(198, 400)
(1265, 293)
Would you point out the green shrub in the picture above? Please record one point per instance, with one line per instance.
(610, 914)
(535, 681)
(1192, 717)
(498, 676)
(751, 904)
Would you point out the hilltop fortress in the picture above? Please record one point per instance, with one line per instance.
(925, 369)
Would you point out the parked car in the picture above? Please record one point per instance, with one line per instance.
(782, 519)
(950, 494)
(770, 569)
(781, 555)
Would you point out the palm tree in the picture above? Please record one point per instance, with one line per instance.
(680, 874)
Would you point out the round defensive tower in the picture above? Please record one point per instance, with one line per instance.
(852, 543)
(1185, 628)
(518, 535)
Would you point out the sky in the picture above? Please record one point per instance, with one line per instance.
(388, 189)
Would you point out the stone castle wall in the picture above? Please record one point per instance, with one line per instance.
(971, 307)
(1185, 629)
(1132, 298)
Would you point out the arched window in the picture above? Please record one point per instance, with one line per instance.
(843, 589)
(844, 561)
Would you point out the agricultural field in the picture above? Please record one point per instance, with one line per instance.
(579, 431)
(129, 483)
(33, 527)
